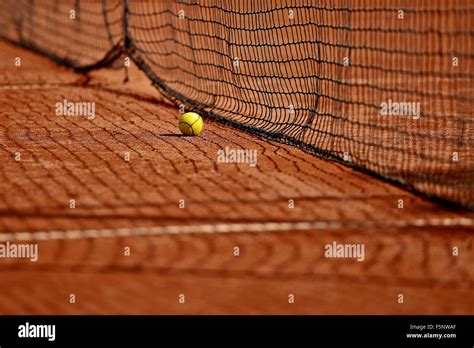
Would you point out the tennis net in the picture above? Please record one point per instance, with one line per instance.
(384, 86)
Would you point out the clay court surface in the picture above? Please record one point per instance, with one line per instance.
(190, 250)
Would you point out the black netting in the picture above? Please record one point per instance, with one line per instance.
(312, 74)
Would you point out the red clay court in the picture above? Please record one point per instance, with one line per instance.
(329, 168)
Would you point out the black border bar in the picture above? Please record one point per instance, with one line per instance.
(291, 331)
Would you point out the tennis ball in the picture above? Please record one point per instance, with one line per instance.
(190, 123)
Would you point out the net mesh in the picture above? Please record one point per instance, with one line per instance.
(383, 86)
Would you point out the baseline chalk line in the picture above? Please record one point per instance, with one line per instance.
(230, 228)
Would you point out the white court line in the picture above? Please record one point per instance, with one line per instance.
(36, 86)
(229, 228)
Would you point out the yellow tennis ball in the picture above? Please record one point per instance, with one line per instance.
(190, 123)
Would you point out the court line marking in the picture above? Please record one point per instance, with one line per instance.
(37, 86)
(228, 228)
